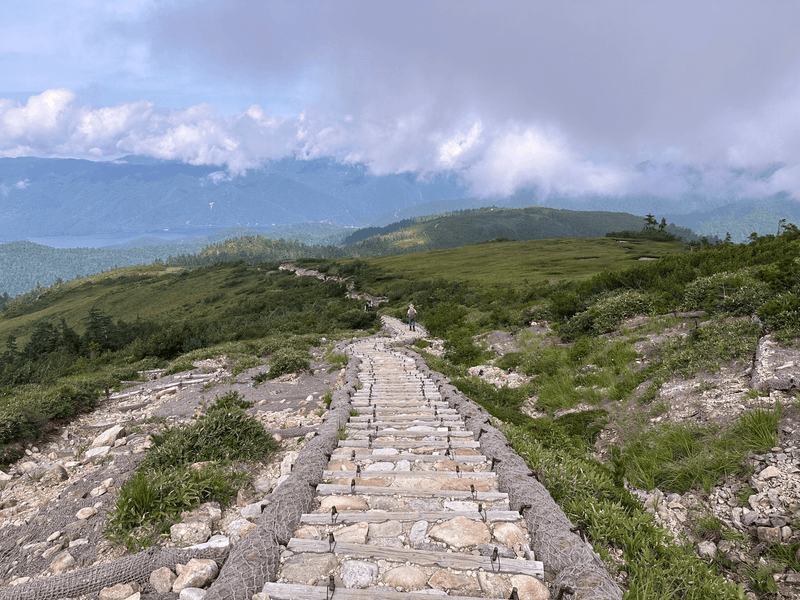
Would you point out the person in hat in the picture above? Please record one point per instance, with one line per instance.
(412, 318)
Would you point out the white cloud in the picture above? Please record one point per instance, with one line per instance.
(22, 184)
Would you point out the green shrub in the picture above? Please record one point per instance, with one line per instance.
(738, 292)
(225, 433)
(658, 567)
(243, 364)
(288, 360)
(151, 501)
(606, 312)
(706, 348)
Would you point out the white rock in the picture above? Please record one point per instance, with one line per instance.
(216, 541)
(287, 462)
(418, 532)
(770, 472)
(85, 513)
(706, 549)
(358, 573)
(192, 593)
(380, 466)
(108, 437)
(97, 453)
(198, 572)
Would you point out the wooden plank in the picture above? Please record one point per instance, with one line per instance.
(347, 454)
(332, 489)
(416, 474)
(419, 409)
(401, 419)
(364, 424)
(509, 516)
(380, 403)
(291, 591)
(426, 558)
(402, 433)
(379, 443)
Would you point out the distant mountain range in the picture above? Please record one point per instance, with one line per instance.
(41, 197)
(27, 265)
(58, 197)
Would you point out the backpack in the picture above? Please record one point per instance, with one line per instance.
(412, 314)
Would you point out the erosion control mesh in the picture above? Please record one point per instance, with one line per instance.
(137, 567)
(252, 562)
(255, 560)
(571, 561)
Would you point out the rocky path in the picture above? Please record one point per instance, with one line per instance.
(409, 508)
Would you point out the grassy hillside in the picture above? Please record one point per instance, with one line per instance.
(63, 346)
(472, 226)
(32, 265)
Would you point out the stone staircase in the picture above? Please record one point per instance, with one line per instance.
(409, 508)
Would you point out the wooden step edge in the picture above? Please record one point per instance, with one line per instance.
(379, 443)
(459, 458)
(293, 591)
(333, 489)
(428, 558)
(413, 423)
(377, 516)
(459, 433)
(401, 419)
(420, 474)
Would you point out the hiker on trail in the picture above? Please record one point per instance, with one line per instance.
(412, 318)
(368, 305)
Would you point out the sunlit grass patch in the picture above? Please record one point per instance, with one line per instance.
(678, 457)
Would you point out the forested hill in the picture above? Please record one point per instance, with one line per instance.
(484, 224)
(27, 265)
(436, 233)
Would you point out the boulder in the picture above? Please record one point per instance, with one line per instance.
(108, 437)
(461, 532)
(776, 367)
(406, 577)
(162, 580)
(358, 573)
(198, 572)
(186, 534)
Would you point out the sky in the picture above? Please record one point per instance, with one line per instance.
(577, 98)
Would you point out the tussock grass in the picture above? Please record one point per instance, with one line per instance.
(164, 483)
(678, 457)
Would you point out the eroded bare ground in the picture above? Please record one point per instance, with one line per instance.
(771, 512)
(81, 466)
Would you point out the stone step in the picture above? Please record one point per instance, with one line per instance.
(399, 410)
(379, 443)
(452, 560)
(332, 489)
(395, 420)
(380, 403)
(488, 516)
(359, 433)
(403, 419)
(365, 454)
(291, 591)
(369, 424)
(421, 474)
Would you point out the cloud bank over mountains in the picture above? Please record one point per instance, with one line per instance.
(574, 98)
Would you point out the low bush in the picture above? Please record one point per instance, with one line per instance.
(245, 363)
(658, 567)
(164, 483)
(288, 360)
(152, 501)
(224, 434)
(606, 312)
